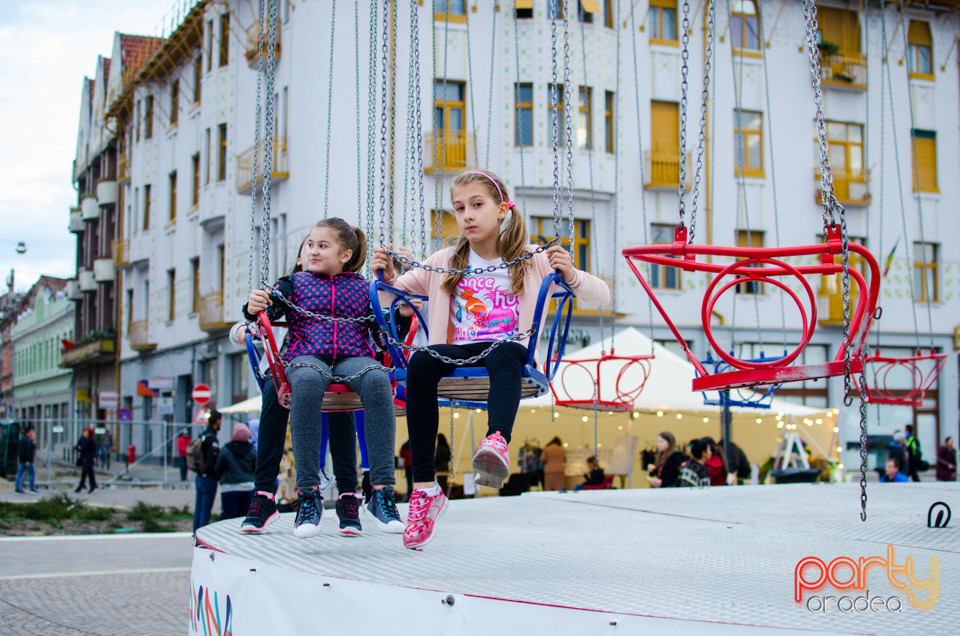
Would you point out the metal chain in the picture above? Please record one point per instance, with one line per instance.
(392, 106)
(684, 70)
(470, 84)
(409, 158)
(467, 270)
(256, 143)
(321, 317)
(702, 134)
(568, 120)
(555, 123)
(383, 126)
(460, 361)
(452, 467)
(418, 124)
(517, 116)
(493, 48)
(440, 170)
(830, 204)
(268, 142)
(326, 169)
(593, 200)
(371, 123)
(614, 257)
(863, 446)
(356, 69)
(338, 379)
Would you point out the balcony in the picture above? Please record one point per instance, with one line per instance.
(281, 169)
(89, 210)
(844, 72)
(139, 335)
(107, 192)
(661, 170)
(99, 350)
(73, 290)
(121, 252)
(76, 221)
(87, 281)
(211, 312)
(452, 148)
(851, 189)
(103, 271)
(253, 52)
(123, 171)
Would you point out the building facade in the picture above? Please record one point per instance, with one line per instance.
(346, 143)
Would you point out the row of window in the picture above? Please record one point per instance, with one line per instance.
(42, 355)
(210, 169)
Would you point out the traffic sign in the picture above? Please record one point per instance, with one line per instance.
(201, 394)
(124, 415)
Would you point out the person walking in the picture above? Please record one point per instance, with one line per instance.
(554, 459)
(206, 480)
(87, 449)
(946, 461)
(912, 447)
(26, 452)
(235, 467)
(106, 448)
(182, 442)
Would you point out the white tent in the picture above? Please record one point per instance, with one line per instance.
(669, 387)
(251, 405)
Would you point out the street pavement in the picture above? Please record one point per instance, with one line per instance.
(99, 584)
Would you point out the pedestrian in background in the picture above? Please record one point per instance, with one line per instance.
(206, 481)
(235, 467)
(182, 442)
(946, 461)
(106, 448)
(87, 459)
(665, 471)
(26, 452)
(554, 460)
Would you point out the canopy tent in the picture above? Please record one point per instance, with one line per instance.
(251, 405)
(667, 389)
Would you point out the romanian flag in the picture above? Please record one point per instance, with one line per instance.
(886, 266)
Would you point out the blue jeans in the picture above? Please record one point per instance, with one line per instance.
(206, 493)
(235, 503)
(21, 471)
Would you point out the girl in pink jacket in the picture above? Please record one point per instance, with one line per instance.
(467, 315)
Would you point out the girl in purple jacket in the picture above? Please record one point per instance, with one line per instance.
(318, 348)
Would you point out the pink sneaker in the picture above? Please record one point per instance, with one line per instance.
(491, 463)
(422, 518)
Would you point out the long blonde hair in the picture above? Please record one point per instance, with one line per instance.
(511, 243)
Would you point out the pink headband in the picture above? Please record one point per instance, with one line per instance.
(510, 204)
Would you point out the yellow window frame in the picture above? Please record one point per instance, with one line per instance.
(926, 268)
(449, 16)
(747, 134)
(656, 13)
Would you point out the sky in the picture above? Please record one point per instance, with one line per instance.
(46, 49)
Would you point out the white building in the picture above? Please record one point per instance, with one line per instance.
(186, 206)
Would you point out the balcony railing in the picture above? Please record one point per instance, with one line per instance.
(452, 148)
(850, 188)
(253, 51)
(281, 169)
(661, 170)
(96, 351)
(121, 252)
(139, 335)
(123, 171)
(844, 71)
(211, 312)
(76, 220)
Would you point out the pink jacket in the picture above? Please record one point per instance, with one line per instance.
(590, 288)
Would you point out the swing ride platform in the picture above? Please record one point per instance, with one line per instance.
(678, 561)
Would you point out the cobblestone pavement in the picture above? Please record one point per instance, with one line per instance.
(133, 584)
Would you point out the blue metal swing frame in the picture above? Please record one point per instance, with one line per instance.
(462, 388)
(760, 398)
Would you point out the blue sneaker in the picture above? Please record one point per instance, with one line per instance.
(348, 512)
(309, 507)
(382, 509)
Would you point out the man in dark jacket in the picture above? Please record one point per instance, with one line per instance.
(898, 452)
(206, 481)
(26, 451)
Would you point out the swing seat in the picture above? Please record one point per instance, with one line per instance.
(469, 387)
(756, 397)
(763, 265)
(337, 398)
(902, 381)
(632, 372)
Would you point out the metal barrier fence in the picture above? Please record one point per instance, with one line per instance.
(140, 453)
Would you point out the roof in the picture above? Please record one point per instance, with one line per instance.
(135, 51)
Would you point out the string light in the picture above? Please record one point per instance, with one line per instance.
(819, 421)
(584, 418)
(659, 413)
(706, 420)
(679, 416)
(759, 420)
(456, 416)
(779, 424)
(533, 410)
(620, 428)
(635, 415)
(836, 429)
(555, 414)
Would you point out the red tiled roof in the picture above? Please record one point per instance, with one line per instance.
(106, 74)
(90, 86)
(135, 51)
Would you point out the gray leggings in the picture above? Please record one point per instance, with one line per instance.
(380, 420)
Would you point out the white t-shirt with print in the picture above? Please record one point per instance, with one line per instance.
(484, 308)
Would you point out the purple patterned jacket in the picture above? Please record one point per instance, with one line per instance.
(343, 295)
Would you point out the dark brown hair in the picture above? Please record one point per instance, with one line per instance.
(671, 448)
(350, 238)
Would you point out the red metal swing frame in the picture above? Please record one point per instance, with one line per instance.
(879, 368)
(337, 398)
(763, 265)
(621, 397)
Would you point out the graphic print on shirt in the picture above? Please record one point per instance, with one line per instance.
(484, 310)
